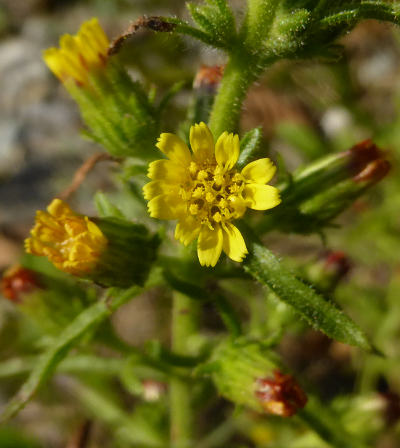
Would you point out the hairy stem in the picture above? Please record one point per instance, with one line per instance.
(240, 72)
(184, 324)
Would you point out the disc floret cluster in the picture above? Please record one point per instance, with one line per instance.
(205, 192)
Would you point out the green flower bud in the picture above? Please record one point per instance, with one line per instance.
(249, 375)
(317, 193)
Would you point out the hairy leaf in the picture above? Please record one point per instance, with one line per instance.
(249, 147)
(318, 312)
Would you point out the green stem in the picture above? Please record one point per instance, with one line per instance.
(240, 72)
(260, 16)
(184, 324)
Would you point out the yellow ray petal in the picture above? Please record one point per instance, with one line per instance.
(174, 148)
(187, 230)
(80, 54)
(157, 187)
(227, 150)
(209, 245)
(167, 171)
(93, 229)
(166, 206)
(59, 209)
(79, 252)
(233, 243)
(202, 142)
(260, 171)
(261, 197)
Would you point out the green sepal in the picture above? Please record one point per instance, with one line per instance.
(128, 256)
(236, 365)
(117, 112)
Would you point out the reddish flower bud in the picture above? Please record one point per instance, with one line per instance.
(18, 281)
(336, 264)
(392, 408)
(367, 162)
(373, 172)
(280, 395)
(153, 390)
(208, 77)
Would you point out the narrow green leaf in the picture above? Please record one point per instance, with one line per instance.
(175, 89)
(73, 364)
(259, 19)
(318, 312)
(249, 147)
(366, 10)
(132, 428)
(105, 207)
(183, 27)
(201, 19)
(47, 363)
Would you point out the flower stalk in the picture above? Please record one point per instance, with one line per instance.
(240, 73)
(184, 324)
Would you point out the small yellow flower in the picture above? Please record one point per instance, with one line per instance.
(71, 242)
(205, 193)
(80, 54)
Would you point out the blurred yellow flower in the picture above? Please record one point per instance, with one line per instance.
(71, 242)
(205, 193)
(80, 54)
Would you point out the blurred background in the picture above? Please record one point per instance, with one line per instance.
(307, 110)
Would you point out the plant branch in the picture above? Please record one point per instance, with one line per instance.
(82, 172)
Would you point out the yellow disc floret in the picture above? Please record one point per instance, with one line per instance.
(71, 242)
(205, 192)
(80, 54)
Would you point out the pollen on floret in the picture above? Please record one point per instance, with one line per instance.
(70, 241)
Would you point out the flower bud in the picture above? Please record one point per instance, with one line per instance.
(116, 110)
(153, 390)
(280, 394)
(208, 77)
(49, 301)
(205, 87)
(108, 251)
(361, 155)
(373, 172)
(79, 55)
(330, 268)
(247, 374)
(319, 192)
(18, 281)
(334, 168)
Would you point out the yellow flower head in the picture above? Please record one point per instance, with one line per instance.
(80, 54)
(71, 242)
(205, 193)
